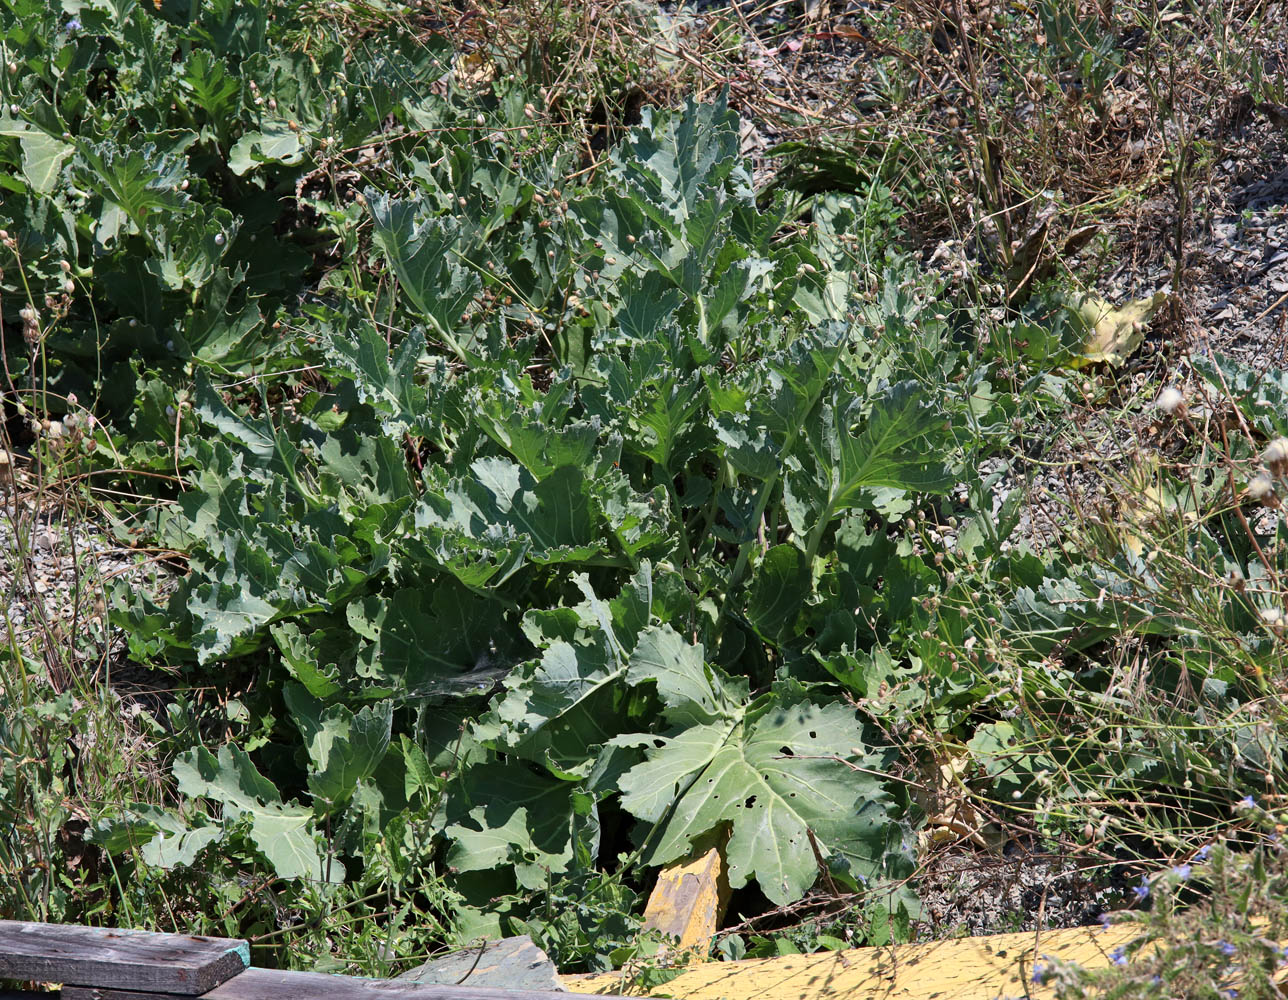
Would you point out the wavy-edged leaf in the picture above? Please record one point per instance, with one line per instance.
(572, 698)
(344, 747)
(773, 776)
(856, 461)
(483, 528)
(282, 833)
(504, 815)
(423, 252)
(430, 642)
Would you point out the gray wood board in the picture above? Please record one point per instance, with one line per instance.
(514, 963)
(272, 984)
(178, 964)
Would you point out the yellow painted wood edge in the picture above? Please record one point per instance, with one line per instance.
(688, 900)
(978, 968)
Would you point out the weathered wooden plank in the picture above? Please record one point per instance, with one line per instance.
(979, 968)
(178, 964)
(272, 984)
(514, 963)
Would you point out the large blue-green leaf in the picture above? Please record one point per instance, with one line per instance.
(425, 255)
(283, 833)
(574, 697)
(344, 747)
(386, 382)
(430, 641)
(506, 815)
(776, 776)
(42, 154)
(862, 453)
(483, 528)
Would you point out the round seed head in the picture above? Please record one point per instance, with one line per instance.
(1172, 402)
(1276, 454)
(1261, 488)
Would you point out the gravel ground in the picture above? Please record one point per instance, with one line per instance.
(1237, 270)
(969, 893)
(56, 578)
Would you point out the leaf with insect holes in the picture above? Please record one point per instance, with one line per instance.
(774, 773)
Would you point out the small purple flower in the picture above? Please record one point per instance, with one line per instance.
(1203, 852)
(1182, 872)
(1248, 802)
(1040, 973)
(1226, 948)
(1232, 993)
(1155, 980)
(72, 25)
(1142, 890)
(1118, 957)
(1105, 920)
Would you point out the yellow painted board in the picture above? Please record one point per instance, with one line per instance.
(688, 900)
(978, 968)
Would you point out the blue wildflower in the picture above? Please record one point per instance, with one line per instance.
(1040, 973)
(1182, 872)
(1232, 992)
(1226, 947)
(1118, 956)
(1105, 920)
(1142, 890)
(1155, 980)
(72, 25)
(1248, 802)
(1203, 852)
